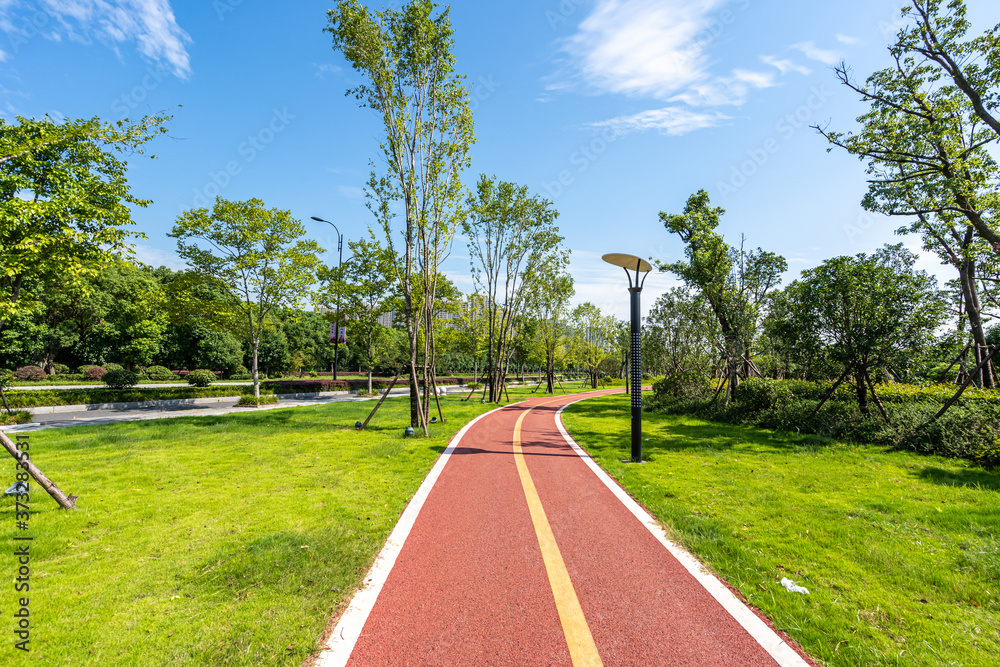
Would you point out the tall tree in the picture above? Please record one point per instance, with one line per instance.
(550, 308)
(593, 339)
(406, 57)
(926, 140)
(508, 232)
(867, 312)
(64, 200)
(735, 282)
(257, 255)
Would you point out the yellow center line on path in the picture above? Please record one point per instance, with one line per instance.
(582, 649)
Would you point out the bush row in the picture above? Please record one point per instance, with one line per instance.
(52, 397)
(969, 430)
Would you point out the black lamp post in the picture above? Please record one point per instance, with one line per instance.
(633, 263)
(336, 321)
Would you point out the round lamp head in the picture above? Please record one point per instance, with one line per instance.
(628, 262)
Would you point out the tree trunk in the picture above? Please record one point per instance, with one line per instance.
(973, 308)
(369, 380)
(254, 345)
(862, 391)
(550, 374)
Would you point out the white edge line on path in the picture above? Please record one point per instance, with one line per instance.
(341, 643)
(769, 640)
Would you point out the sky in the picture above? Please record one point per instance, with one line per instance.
(615, 110)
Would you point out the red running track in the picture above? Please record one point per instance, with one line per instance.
(470, 586)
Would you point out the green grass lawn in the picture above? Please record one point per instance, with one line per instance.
(210, 540)
(900, 553)
(226, 540)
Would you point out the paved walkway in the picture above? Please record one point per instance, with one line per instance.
(94, 417)
(519, 550)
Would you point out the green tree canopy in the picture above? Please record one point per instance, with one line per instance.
(258, 256)
(64, 200)
(866, 312)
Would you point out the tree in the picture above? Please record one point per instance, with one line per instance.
(735, 282)
(681, 334)
(193, 345)
(927, 143)
(64, 200)
(256, 255)
(509, 232)
(867, 313)
(593, 339)
(366, 290)
(406, 57)
(549, 306)
(974, 66)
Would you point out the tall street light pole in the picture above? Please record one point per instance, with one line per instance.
(340, 265)
(633, 263)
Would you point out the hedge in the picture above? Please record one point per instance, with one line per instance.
(969, 430)
(53, 397)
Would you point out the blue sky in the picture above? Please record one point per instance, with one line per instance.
(614, 109)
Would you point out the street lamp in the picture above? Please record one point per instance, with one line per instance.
(633, 263)
(336, 321)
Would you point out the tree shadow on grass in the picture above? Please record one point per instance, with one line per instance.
(967, 477)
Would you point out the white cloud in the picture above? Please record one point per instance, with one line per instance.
(813, 52)
(725, 90)
(672, 121)
(640, 47)
(655, 49)
(350, 192)
(784, 65)
(847, 39)
(326, 68)
(150, 24)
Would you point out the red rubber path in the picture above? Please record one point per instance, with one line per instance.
(470, 588)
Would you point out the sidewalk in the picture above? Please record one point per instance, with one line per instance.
(519, 550)
(66, 416)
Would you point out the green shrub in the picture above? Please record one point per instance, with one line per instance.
(15, 417)
(237, 373)
(112, 366)
(60, 369)
(683, 385)
(120, 378)
(248, 400)
(241, 376)
(30, 374)
(969, 430)
(760, 394)
(200, 378)
(159, 373)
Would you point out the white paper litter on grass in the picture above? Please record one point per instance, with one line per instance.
(791, 587)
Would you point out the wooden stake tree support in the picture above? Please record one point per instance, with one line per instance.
(379, 404)
(65, 502)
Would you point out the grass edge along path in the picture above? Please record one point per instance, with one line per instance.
(900, 552)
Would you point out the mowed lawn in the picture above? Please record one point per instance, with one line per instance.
(210, 540)
(900, 553)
